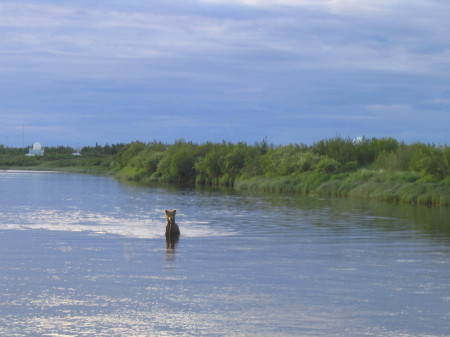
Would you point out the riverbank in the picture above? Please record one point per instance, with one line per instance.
(374, 169)
(394, 187)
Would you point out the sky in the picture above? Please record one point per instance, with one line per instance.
(80, 72)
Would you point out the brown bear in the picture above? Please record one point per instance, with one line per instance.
(172, 229)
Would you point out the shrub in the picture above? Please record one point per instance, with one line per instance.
(327, 165)
(182, 166)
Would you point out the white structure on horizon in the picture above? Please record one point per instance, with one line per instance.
(358, 140)
(36, 150)
(77, 151)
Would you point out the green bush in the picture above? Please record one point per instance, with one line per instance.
(182, 166)
(327, 165)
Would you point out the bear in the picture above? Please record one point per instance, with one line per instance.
(172, 229)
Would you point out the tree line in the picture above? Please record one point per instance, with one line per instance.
(384, 168)
(224, 163)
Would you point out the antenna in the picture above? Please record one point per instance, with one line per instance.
(23, 136)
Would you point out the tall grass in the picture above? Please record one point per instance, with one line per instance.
(364, 184)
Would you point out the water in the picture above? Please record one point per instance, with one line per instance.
(86, 256)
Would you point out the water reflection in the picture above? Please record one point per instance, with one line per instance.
(171, 242)
(293, 212)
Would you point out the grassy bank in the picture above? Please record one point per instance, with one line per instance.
(382, 169)
(397, 187)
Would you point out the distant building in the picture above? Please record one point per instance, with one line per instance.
(77, 152)
(358, 140)
(36, 150)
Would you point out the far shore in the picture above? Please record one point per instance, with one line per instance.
(373, 169)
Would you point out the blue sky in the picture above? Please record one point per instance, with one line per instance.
(81, 72)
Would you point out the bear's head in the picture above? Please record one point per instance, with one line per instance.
(170, 216)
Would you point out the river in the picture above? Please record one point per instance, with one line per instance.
(85, 255)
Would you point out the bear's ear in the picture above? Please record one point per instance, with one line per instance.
(174, 211)
(166, 211)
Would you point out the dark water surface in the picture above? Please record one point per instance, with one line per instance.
(86, 256)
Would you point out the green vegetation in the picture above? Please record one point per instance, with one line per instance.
(382, 169)
(92, 159)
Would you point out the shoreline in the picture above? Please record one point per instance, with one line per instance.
(389, 187)
(373, 169)
(28, 171)
(363, 184)
(47, 169)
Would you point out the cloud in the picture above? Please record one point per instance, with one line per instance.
(334, 6)
(271, 60)
(79, 40)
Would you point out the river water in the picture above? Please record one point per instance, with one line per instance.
(85, 255)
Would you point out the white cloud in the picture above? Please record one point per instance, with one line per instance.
(58, 35)
(334, 6)
(234, 55)
(388, 108)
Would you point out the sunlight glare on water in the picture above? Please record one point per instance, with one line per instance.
(133, 216)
